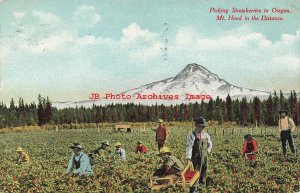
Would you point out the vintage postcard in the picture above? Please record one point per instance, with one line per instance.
(149, 96)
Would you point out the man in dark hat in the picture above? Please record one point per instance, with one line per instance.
(198, 146)
(286, 126)
(80, 161)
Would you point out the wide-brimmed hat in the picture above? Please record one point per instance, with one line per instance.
(201, 121)
(19, 149)
(164, 150)
(118, 144)
(160, 121)
(283, 111)
(139, 142)
(76, 145)
(105, 143)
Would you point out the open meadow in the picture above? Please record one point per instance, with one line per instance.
(228, 172)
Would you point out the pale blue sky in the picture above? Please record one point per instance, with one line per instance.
(67, 49)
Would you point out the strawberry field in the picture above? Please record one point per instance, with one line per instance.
(228, 171)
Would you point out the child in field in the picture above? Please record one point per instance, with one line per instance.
(140, 148)
(120, 151)
(250, 147)
(22, 156)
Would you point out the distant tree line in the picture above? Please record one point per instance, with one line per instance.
(241, 111)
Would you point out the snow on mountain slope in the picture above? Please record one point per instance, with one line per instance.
(194, 79)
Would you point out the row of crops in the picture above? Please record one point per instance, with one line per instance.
(227, 172)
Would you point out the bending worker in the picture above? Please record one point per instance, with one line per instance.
(80, 160)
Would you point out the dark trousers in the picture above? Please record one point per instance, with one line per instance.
(160, 144)
(201, 165)
(286, 136)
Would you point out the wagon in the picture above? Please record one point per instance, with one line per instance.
(187, 179)
(119, 127)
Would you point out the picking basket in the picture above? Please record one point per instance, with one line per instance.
(189, 176)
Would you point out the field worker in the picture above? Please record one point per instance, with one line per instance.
(22, 156)
(140, 148)
(80, 161)
(161, 134)
(286, 126)
(250, 147)
(104, 146)
(120, 151)
(171, 165)
(198, 146)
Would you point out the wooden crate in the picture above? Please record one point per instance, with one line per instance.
(157, 183)
(187, 179)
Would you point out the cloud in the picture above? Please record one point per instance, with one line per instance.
(289, 62)
(241, 56)
(48, 18)
(144, 54)
(18, 14)
(55, 43)
(87, 15)
(93, 40)
(252, 55)
(140, 44)
(134, 32)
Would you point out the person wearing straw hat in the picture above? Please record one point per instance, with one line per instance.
(23, 157)
(80, 161)
(198, 146)
(140, 148)
(162, 133)
(286, 126)
(104, 146)
(120, 151)
(171, 165)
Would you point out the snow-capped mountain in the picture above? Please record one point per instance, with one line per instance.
(196, 80)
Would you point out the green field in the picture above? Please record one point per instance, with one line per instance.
(228, 172)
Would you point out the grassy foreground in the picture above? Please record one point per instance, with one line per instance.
(227, 172)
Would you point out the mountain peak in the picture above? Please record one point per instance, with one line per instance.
(196, 69)
(194, 79)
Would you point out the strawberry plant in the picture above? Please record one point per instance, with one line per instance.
(228, 170)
